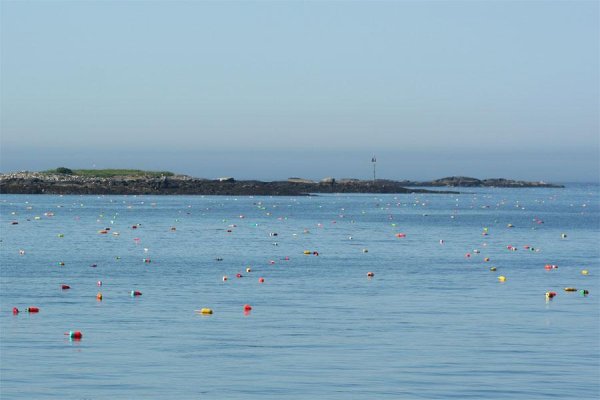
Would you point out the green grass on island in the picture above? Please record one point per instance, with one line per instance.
(107, 173)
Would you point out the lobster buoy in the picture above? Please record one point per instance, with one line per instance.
(135, 293)
(77, 335)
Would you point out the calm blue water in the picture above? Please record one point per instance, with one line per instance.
(431, 324)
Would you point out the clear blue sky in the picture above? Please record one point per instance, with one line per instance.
(275, 89)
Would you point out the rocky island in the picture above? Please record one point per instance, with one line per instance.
(134, 182)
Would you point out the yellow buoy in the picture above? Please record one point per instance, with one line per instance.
(584, 272)
(502, 278)
(492, 268)
(570, 289)
(306, 251)
(206, 311)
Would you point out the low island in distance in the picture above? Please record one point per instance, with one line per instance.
(137, 182)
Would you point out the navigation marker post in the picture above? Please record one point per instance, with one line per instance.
(374, 161)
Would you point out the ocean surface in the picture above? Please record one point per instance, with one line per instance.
(434, 322)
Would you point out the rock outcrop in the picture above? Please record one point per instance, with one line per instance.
(40, 183)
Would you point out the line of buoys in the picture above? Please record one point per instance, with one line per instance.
(33, 310)
(76, 335)
(135, 293)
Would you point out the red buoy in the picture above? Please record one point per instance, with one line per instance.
(247, 307)
(15, 310)
(76, 335)
(135, 293)
(65, 287)
(238, 275)
(261, 280)
(33, 309)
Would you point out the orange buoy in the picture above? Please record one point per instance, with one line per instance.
(99, 296)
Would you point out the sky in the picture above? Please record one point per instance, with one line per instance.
(274, 89)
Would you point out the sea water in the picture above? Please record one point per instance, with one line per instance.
(432, 323)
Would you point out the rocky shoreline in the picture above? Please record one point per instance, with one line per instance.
(44, 183)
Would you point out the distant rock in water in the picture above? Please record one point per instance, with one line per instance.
(56, 183)
(463, 181)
